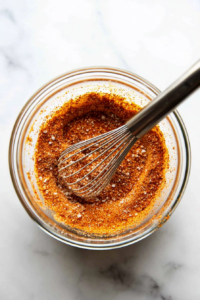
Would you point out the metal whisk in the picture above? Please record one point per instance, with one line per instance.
(88, 166)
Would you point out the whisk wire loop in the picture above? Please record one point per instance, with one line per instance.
(114, 144)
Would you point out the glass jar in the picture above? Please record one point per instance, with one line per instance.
(22, 165)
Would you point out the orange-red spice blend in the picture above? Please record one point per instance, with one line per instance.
(137, 183)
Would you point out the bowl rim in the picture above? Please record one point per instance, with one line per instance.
(80, 71)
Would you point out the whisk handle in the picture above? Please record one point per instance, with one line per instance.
(165, 102)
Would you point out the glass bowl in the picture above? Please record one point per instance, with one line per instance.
(22, 165)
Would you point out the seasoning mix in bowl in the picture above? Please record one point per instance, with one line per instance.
(146, 187)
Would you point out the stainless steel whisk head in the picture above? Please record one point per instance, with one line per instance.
(88, 166)
(97, 159)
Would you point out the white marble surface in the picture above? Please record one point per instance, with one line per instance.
(41, 39)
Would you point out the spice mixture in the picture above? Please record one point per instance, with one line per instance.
(135, 186)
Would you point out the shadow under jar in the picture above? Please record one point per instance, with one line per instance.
(24, 138)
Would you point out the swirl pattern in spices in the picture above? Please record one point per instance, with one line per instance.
(136, 185)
